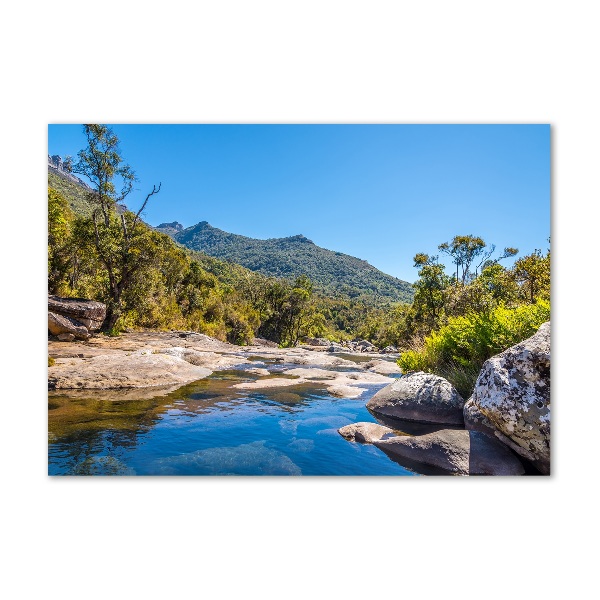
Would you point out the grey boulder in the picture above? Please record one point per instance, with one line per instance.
(513, 393)
(421, 397)
(458, 452)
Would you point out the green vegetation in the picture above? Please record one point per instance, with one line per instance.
(76, 195)
(100, 252)
(332, 273)
(447, 324)
(456, 323)
(458, 350)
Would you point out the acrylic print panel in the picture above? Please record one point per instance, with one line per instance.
(299, 300)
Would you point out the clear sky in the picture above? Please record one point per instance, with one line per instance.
(378, 192)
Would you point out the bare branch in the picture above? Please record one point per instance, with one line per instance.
(155, 190)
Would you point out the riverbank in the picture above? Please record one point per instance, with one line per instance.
(146, 362)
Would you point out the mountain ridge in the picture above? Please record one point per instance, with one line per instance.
(332, 272)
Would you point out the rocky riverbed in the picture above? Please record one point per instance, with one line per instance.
(419, 420)
(147, 361)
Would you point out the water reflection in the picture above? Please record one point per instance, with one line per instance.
(210, 428)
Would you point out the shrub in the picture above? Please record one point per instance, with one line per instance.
(458, 350)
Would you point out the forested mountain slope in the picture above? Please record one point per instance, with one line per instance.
(333, 273)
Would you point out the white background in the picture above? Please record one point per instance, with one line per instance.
(316, 62)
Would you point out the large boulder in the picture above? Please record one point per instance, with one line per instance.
(419, 397)
(88, 313)
(457, 451)
(475, 420)
(57, 325)
(513, 393)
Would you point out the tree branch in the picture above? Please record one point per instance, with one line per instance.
(155, 190)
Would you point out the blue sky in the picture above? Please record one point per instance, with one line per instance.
(378, 192)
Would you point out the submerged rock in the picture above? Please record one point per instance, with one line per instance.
(365, 433)
(419, 397)
(247, 459)
(457, 451)
(513, 393)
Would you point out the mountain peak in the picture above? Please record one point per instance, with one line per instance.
(299, 238)
(175, 226)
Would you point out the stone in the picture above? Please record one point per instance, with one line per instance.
(65, 337)
(475, 420)
(89, 313)
(383, 367)
(365, 433)
(125, 371)
(58, 324)
(309, 341)
(390, 350)
(336, 348)
(457, 451)
(262, 342)
(513, 393)
(419, 397)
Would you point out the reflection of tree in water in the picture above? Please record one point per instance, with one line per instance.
(102, 465)
(82, 430)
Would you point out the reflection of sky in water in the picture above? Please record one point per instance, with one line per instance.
(208, 428)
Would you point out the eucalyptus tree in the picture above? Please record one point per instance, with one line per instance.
(466, 249)
(124, 245)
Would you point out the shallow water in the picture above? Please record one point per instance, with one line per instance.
(208, 428)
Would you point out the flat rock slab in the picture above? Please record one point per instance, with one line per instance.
(383, 367)
(123, 371)
(116, 355)
(338, 383)
(365, 433)
(419, 397)
(459, 452)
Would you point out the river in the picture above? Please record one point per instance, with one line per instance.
(210, 428)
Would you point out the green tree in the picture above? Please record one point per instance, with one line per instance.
(532, 272)
(430, 289)
(289, 312)
(124, 246)
(466, 249)
(60, 219)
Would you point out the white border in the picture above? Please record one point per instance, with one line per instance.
(341, 62)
